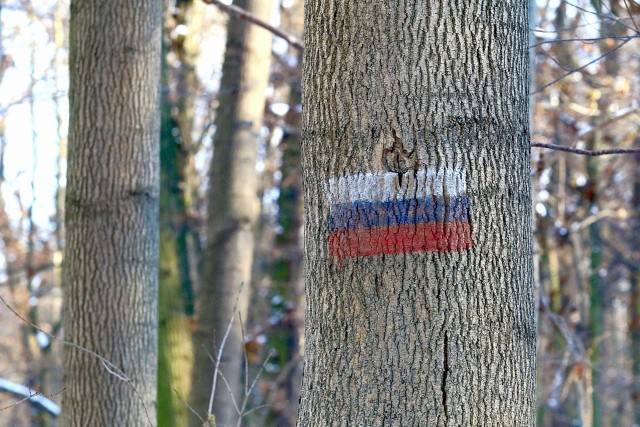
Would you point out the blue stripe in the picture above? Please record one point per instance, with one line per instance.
(367, 214)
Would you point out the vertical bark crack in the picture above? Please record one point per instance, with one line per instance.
(445, 374)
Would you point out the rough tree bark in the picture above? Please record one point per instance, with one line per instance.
(418, 218)
(232, 211)
(110, 271)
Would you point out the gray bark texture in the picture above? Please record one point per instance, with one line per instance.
(442, 336)
(110, 270)
(233, 208)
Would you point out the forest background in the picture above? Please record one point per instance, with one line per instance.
(585, 92)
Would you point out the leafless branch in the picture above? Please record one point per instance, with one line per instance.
(608, 15)
(243, 14)
(586, 152)
(31, 395)
(585, 40)
(246, 360)
(603, 20)
(580, 68)
(574, 345)
(618, 115)
(110, 367)
(633, 21)
(189, 407)
(219, 356)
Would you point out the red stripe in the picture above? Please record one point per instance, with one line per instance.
(405, 238)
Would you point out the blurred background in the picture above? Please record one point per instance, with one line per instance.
(585, 94)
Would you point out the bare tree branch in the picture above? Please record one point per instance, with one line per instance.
(585, 40)
(618, 115)
(586, 152)
(28, 394)
(582, 67)
(110, 367)
(243, 14)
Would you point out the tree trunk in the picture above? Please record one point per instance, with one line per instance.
(418, 229)
(634, 309)
(175, 349)
(175, 346)
(233, 210)
(287, 267)
(110, 272)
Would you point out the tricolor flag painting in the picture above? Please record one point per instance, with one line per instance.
(391, 213)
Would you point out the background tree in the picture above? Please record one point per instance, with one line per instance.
(585, 98)
(232, 210)
(180, 87)
(417, 112)
(287, 278)
(110, 270)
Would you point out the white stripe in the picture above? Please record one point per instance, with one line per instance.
(385, 186)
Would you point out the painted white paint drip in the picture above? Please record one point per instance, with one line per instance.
(385, 186)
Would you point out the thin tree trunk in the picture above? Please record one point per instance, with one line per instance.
(233, 210)
(634, 306)
(288, 267)
(110, 271)
(612, 357)
(418, 215)
(175, 346)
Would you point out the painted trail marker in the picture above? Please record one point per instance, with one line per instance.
(388, 213)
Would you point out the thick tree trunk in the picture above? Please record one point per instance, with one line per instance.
(110, 271)
(418, 229)
(233, 210)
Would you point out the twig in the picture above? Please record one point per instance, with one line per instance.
(264, 364)
(246, 362)
(242, 413)
(243, 14)
(110, 367)
(574, 345)
(31, 395)
(575, 27)
(233, 399)
(189, 407)
(587, 152)
(217, 361)
(626, 6)
(582, 67)
(255, 408)
(219, 355)
(590, 40)
(619, 115)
